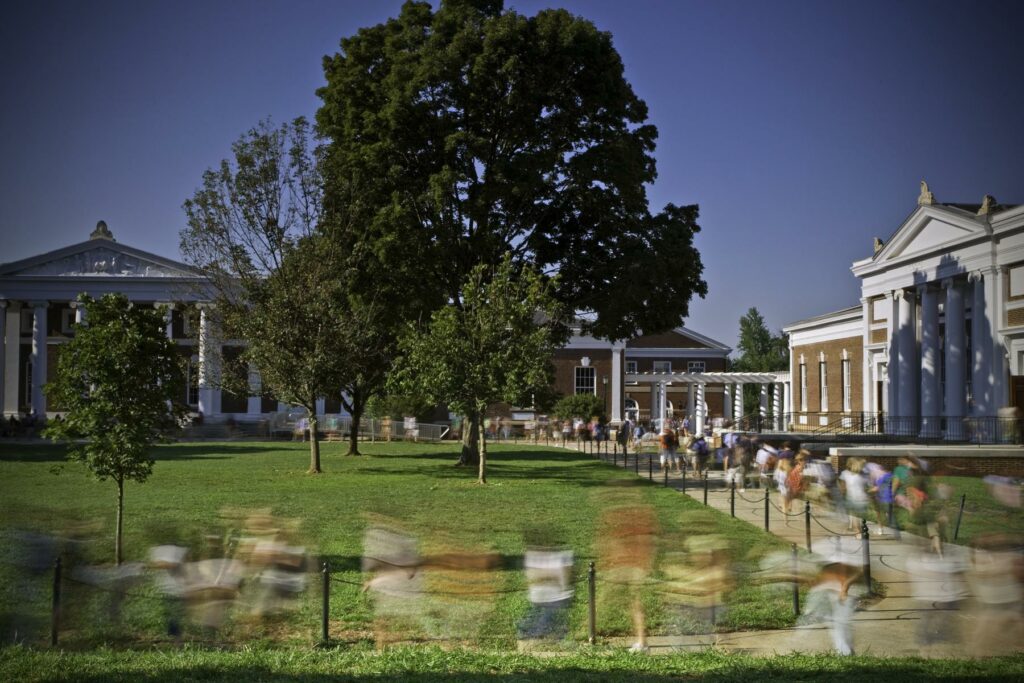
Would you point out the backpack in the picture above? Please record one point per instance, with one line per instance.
(700, 446)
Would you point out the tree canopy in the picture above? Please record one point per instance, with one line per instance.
(119, 381)
(495, 347)
(275, 282)
(760, 351)
(462, 135)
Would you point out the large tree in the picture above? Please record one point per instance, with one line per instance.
(460, 135)
(496, 346)
(118, 381)
(759, 351)
(276, 283)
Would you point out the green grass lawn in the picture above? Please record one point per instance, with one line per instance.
(433, 665)
(417, 483)
(983, 515)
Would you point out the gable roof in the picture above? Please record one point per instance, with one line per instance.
(98, 257)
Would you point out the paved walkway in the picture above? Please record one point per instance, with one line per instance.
(885, 626)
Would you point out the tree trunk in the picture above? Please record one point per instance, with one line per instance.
(358, 404)
(482, 478)
(314, 445)
(119, 532)
(470, 441)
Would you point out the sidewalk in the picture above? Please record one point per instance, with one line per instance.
(884, 627)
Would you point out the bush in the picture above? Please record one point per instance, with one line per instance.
(397, 406)
(584, 406)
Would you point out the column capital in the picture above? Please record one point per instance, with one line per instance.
(39, 304)
(169, 305)
(949, 282)
(3, 304)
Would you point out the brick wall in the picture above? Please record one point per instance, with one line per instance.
(565, 362)
(833, 351)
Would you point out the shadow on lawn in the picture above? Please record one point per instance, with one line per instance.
(50, 452)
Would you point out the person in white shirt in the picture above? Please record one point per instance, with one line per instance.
(855, 491)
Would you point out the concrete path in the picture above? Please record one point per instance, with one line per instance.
(884, 626)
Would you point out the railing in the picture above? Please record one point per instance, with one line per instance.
(880, 427)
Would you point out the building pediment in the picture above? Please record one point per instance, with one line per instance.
(97, 258)
(929, 230)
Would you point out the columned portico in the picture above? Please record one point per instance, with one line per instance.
(762, 401)
(777, 404)
(727, 391)
(737, 399)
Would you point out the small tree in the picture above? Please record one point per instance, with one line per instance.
(760, 351)
(584, 406)
(490, 348)
(118, 380)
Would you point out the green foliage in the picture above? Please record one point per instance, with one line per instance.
(583, 406)
(118, 380)
(399, 406)
(278, 283)
(491, 348)
(461, 135)
(760, 351)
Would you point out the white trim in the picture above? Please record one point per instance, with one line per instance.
(662, 352)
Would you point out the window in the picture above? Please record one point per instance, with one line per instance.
(803, 387)
(847, 396)
(822, 387)
(631, 367)
(662, 366)
(586, 380)
(695, 366)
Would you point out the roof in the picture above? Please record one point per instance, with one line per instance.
(852, 311)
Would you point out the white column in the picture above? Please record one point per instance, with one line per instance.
(662, 402)
(207, 363)
(168, 319)
(867, 387)
(699, 416)
(38, 399)
(254, 406)
(737, 401)
(654, 402)
(981, 386)
(321, 406)
(908, 361)
(956, 375)
(931, 402)
(777, 404)
(892, 362)
(994, 305)
(788, 397)
(11, 359)
(762, 400)
(79, 312)
(691, 401)
(727, 401)
(3, 351)
(617, 366)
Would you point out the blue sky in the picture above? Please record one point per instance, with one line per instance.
(801, 128)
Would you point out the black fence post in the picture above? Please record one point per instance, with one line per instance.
(664, 472)
(705, 488)
(592, 595)
(55, 607)
(636, 464)
(650, 466)
(684, 480)
(960, 515)
(732, 498)
(866, 545)
(325, 635)
(807, 523)
(796, 583)
(766, 504)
